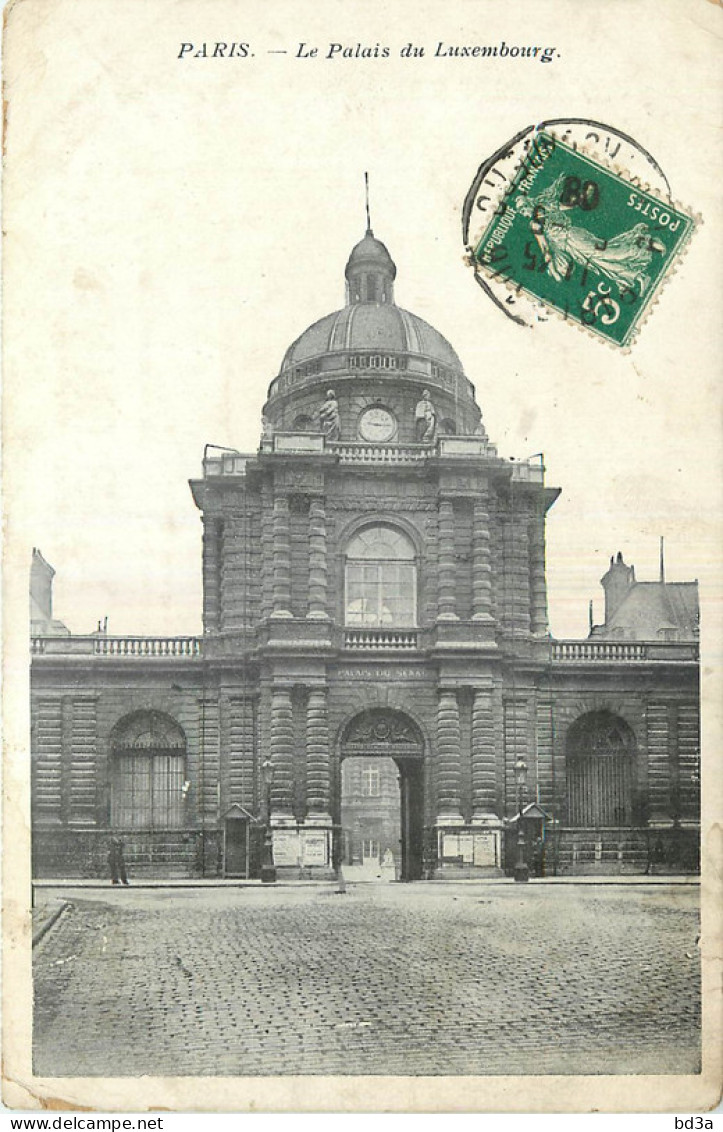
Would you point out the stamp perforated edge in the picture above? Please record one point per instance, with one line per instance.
(537, 302)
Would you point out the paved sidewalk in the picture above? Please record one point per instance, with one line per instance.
(463, 978)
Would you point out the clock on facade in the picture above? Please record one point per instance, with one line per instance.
(377, 424)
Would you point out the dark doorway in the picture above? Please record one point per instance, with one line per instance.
(236, 846)
(412, 791)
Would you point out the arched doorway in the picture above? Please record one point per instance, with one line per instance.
(375, 740)
(600, 752)
(148, 772)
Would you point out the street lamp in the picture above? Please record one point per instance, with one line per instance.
(522, 873)
(268, 869)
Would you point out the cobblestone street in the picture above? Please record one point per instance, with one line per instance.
(390, 979)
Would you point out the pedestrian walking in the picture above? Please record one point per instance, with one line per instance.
(116, 862)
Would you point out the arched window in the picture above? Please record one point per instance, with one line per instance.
(599, 755)
(148, 772)
(303, 423)
(381, 579)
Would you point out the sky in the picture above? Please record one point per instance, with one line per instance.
(174, 223)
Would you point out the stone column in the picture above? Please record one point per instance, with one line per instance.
(446, 590)
(317, 560)
(448, 760)
(484, 760)
(538, 584)
(317, 757)
(282, 754)
(481, 561)
(281, 586)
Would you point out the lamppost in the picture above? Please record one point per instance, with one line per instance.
(268, 869)
(522, 873)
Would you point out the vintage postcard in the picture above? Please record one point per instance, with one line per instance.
(362, 465)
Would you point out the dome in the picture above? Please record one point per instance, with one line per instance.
(371, 326)
(371, 352)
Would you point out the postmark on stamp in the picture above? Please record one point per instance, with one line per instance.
(575, 235)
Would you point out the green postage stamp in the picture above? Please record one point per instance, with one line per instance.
(582, 240)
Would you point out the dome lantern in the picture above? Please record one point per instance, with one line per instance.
(370, 272)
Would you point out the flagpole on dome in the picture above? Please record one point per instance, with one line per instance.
(366, 193)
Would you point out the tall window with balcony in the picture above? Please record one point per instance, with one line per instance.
(380, 581)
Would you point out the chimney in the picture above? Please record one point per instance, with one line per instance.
(616, 584)
(41, 591)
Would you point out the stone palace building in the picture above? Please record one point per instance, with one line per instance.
(375, 667)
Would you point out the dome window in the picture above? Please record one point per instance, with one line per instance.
(308, 368)
(441, 372)
(375, 361)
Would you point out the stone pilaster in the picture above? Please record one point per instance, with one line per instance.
(659, 778)
(448, 759)
(209, 760)
(689, 762)
(238, 783)
(83, 761)
(267, 552)
(47, 761)
(212, 550)
(282, 754)
(446, 601)
(281, 586)
(516, 577)
(481, 561)
(538, 584)
(516, 742)
(484, 761)
(317, 756)
(317, 560)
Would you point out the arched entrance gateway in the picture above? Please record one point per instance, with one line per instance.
(372, 740)
(600, 753)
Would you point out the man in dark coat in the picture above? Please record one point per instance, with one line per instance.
(117, 862)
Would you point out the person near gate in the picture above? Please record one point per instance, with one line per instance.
(117, 862)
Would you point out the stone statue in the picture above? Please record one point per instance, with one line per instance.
(267, 430)
(425, 417)
(329, 416)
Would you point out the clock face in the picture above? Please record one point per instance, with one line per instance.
(377, 424)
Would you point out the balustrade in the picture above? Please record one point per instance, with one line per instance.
(380, 638)
(357, 453)
(117, 646)
(599, 650)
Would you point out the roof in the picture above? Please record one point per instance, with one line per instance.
(372, 326)
(373, 252)
(648, 609)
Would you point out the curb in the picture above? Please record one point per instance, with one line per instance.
(537, 882)
(49, 923)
